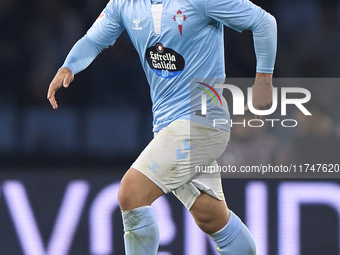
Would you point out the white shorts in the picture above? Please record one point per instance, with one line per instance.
(172, 158)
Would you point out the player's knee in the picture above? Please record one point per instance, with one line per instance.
(122, 199)
(131, 196)
(210, 222)
(127, 194)
(125, 199)
(210, 218)
(206, 224)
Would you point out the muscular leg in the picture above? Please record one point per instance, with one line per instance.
(228, 232)
(137, 190)
(136, 193)
(209, 213)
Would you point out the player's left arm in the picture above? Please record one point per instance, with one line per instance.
(244, 15)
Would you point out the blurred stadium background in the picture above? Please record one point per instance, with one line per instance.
(60, 170)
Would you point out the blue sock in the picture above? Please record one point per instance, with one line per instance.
(141, 231)
(234, 238)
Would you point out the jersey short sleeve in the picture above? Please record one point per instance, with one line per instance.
(108, 26)
(237, 14)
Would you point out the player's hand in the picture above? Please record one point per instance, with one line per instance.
(262, 92)
(63, 78)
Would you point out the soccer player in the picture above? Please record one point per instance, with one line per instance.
(178, 40)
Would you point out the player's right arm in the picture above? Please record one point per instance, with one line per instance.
(103, 33)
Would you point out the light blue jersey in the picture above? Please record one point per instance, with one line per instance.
(178, 40)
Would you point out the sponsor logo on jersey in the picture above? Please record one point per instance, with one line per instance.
(165, 62)
(136, 24)
(179, 18)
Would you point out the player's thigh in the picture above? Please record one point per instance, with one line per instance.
(210, 214)
(166, 159)
(137, 190)
(169, 160)
(205, 176)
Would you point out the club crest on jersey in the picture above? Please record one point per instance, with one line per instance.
(136, 24)
(179, 18)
